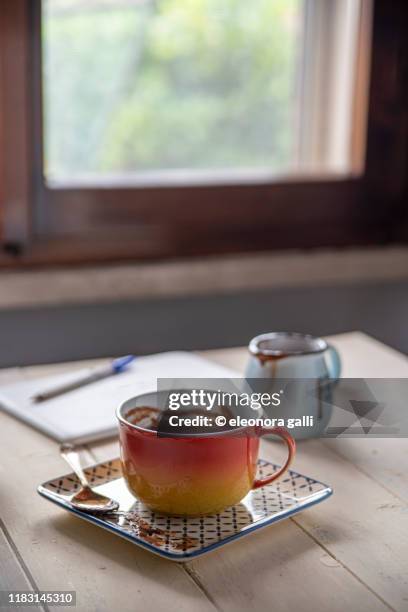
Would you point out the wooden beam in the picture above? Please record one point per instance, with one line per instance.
(14, 124)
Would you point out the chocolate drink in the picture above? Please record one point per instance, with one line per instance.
(187, 421)
(145, 417)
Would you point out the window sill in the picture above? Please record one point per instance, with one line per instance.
(210, 275)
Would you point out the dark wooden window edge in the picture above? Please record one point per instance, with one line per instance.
(42, 226)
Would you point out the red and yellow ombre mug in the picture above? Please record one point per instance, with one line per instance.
(189, 473)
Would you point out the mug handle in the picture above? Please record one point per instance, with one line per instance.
(333, 363)
(290, 443)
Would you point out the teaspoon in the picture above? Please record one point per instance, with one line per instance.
(86, 499)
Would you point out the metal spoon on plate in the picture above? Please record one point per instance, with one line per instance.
(86, 499)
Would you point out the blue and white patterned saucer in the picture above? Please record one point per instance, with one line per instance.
(180, 538)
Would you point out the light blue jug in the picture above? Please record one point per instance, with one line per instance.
(309, 362)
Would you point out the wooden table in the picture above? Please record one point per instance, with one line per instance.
(348, 553)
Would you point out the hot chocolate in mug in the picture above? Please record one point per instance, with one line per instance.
(189, 473)
(310, 362)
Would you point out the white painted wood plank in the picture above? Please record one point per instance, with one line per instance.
(12, 575)
(363, 525)
(384, 460)
(11, 375)
(282, 569)
(365, 357)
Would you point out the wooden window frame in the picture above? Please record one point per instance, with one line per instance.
(40, 225)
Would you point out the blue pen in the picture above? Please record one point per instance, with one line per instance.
(115, 367)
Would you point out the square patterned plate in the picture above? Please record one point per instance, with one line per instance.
(179, 538)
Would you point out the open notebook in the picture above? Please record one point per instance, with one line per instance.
(88, 413)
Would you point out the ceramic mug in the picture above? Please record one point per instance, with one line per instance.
(195, 473)
(293, 356)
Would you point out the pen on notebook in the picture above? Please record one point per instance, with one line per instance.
(115, 367)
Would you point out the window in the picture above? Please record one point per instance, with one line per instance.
(169, 90)
(186, 91)
(157, 128)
